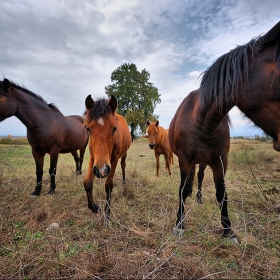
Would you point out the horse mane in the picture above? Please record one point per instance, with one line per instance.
(99, 109)
(229, 73)
(36, 96)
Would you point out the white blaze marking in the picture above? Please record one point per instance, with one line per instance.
(100, 121)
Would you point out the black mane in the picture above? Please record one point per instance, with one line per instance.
(222, 81)
(99, 109)
(38, 97)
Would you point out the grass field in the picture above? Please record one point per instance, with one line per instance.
(138, 242)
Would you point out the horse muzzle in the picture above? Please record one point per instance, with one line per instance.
(152, 145)
(102, 172)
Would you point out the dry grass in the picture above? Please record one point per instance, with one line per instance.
(138, 242)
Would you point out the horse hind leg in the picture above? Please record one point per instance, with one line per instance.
(167, 164)
(200, 176)
(123, 166)
(78, 162)
(81, 159)
(52, 170)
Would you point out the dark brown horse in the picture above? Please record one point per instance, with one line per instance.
(48, 130)
(109, 140)
(246, 77)
(158, 140)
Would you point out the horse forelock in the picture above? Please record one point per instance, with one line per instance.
(99, 110)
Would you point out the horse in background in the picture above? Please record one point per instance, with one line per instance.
(109, 141)
(247, 77)
(48, 130)
(158, 141)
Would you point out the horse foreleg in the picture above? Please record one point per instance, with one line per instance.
(200, 176)
(88, 185)
(39, 161)
(123, 166)
(219, 171)
(184, 191)
(52, 171)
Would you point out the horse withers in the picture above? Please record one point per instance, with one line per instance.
(109, 141)
(246, 77)
(158, 141)
(48, 130)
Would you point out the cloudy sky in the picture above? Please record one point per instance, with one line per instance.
(64, 50)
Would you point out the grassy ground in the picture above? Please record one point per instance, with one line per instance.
(138, 243)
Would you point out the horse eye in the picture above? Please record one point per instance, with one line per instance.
(114, 129)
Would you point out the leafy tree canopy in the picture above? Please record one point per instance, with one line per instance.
(137, 97)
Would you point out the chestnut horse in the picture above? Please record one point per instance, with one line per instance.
(109, 140)
(48, 130)
(247, 77)
(158, 140)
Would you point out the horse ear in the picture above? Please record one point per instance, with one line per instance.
(148, 122)
(6, 84)
(89, 102)
(272, 35)
(113, 103)
(157, 123)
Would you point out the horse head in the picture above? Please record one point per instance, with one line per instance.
(101, 121)
(8, 106)
(152, 132)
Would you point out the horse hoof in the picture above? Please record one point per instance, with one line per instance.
(79, 172)
(231, 237)
(178, 231)
(199, 201)
(234, 240)
(33, 196)
(51, 192)
(94, 208)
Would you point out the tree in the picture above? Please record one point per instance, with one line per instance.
(137, 97)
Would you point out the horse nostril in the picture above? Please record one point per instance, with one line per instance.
(151, 146)
(102, 172)
(95, 171)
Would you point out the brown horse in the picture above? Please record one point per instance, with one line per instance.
(109, 140)
(48, 130)
(158, 140)
(246, 77)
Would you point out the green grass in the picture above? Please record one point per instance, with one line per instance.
(138, 242)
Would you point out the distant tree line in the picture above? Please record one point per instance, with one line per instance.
(264, 138)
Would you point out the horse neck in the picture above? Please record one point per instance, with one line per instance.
(161, 133)
(210, 116)
(27, 109)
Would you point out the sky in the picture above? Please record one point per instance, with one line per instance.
(64, 50)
